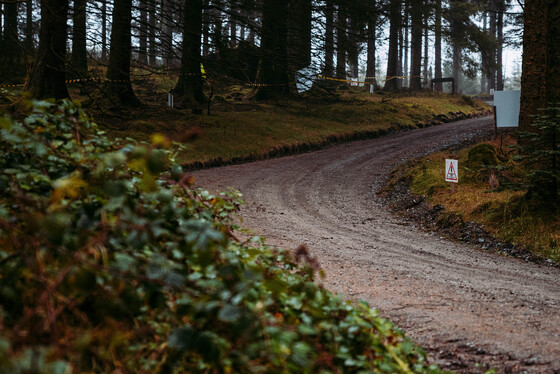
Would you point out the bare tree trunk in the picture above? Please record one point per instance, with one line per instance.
(48, 79)
(232, 28)
(79, 52)
(11, 54)
(143, 33)
(371, 48)
(118, 86)
(299, 33)
(152, 45)
(437, 47)
(28, 44)
(167, 33)
(189, 86)
(416, 45)
(404, 48)
(500, 31)
(205, 29)
(492, 54)
(104, 30)
(329, 38)
(483, 57)
(274, 47)
(425, 82)
(457, 68)
(402, 63)
(395, 24)
(251, 37)
(217, 35)
(353, 49)
(341, 42)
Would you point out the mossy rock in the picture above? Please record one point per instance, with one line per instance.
(482, 155)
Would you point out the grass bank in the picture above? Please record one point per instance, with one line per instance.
(240, 130)
(486, 197)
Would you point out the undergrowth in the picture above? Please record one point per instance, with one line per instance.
(111, 262)
(491, 191)
(238, 126)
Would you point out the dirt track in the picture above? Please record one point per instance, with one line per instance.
(472, 310)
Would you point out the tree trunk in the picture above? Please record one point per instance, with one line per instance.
(425, 82)
(11, 54)
(492, 52)
(251, 37)
(500, 31)
(189, 86)
(353, 49)
(416, 45)
(299, 34)
(540, 82)
(371, 48)
(437, 47)
(232, 28)
(404, 51)
(206, 29)
(341, 42)
(274, 50)
(118, 86)
(457, 62)
(402, 62)
(217, 35)
(484, 57)
(28, 44)
(48, 79)
(152, 45)
(536, 80)
(395, 24)
(328, 69)
(167, 33)
(79, 52)
(143, 33)
(103, 30)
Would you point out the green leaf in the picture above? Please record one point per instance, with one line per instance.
(230, 313)
(5, 123)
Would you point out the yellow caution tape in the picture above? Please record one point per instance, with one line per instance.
(352, 81)
(340, 80)
(74, 81)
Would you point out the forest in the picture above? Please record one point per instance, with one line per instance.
(272, 44)
(112, 260)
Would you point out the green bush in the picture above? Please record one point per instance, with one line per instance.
(540, 154)
(111, 262)
(482, 158)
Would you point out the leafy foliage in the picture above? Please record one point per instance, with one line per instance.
(111, 262)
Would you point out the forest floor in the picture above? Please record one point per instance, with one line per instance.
(472, 309)
(490, 207)
(239, 129)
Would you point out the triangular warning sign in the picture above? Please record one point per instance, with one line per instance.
(451, 174)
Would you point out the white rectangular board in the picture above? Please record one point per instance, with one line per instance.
(507, 105)
(451, 171)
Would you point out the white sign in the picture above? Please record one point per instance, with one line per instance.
(507, 105)
(491, 92)
(451, 171)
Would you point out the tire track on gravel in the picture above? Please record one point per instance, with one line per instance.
(466, 306)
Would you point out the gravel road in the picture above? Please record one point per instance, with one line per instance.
(471, 310)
